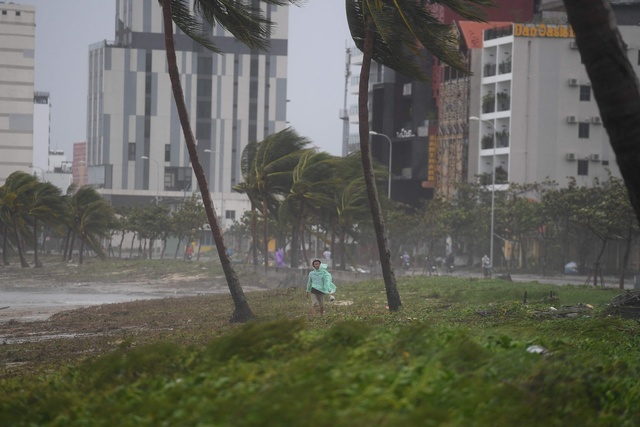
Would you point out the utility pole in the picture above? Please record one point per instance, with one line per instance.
(344, 114)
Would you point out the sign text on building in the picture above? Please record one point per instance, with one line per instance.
(543, 30)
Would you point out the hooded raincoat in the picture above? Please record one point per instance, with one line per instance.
(320, 279)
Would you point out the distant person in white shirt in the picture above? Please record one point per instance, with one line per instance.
(327, 256)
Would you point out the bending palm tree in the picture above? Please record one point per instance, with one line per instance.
(47, 206)
(384, 30)
(249, 26)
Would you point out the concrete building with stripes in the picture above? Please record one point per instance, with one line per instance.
(135, 145)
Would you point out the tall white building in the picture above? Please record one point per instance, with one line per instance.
(17, 53)
(135, 145)
(536, 103)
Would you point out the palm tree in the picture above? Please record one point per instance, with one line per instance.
(275, 159)
(90, 217)
(46, 205)
(615, 84)
(250, 27)
(384, 30)
(249, 187)
(17, 196)
(312, 179)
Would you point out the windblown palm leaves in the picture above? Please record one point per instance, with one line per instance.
(404, 31)
(312, 188)
(267, 168)
(47, 206)
(245, 20)
(16, 202)
(90, 217)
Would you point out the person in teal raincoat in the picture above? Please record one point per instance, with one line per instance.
(318, 285)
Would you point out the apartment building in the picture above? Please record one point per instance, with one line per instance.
(135, 145)
(17, 53)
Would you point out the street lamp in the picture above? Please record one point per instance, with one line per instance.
(223, 215)
(388, 139)
(493, 178)
(157, 175)
(34, 172)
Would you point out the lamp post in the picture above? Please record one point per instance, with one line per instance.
(222, 212)
(41, 170)
(493, 178)
(157, 175)
(388, 139)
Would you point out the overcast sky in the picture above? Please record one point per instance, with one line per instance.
(318, 35)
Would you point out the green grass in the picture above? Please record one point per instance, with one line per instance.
(455, 355)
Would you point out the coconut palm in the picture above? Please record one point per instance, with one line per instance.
(614, 83)
(248, 24)
(312, 181)
(46, 205)
(90, 218)
(17, 196)
(386, 31)
(249, 187)
(276, 158)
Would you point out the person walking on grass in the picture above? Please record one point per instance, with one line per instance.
(318, 285)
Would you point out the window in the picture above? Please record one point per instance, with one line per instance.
(167, 152)
(132, 151)
(4, 12)
(583, 167)
(583, 130)
(230, 215)
(585, 93)
(17, 13)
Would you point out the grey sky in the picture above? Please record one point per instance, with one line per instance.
(318, 34)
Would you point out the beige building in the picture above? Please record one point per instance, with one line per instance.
(538, 115)
(17, 53)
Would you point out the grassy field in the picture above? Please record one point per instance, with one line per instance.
(459, 353)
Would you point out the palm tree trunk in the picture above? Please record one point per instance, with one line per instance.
(242, 311)
(393, 297)
(5, 246)
(65, 244)
(23, 259)
(615, 84)
(294, 246)
(254, 234)
(36, 261)
(81, 251)
(265, 233)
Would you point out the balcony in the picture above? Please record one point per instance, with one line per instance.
(488, 103)
(504, 101)
(489, 70)
(501, 138)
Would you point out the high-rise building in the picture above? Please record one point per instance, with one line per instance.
(135, 145)
(17, 53)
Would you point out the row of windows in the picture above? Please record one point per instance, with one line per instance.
(4, 12)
